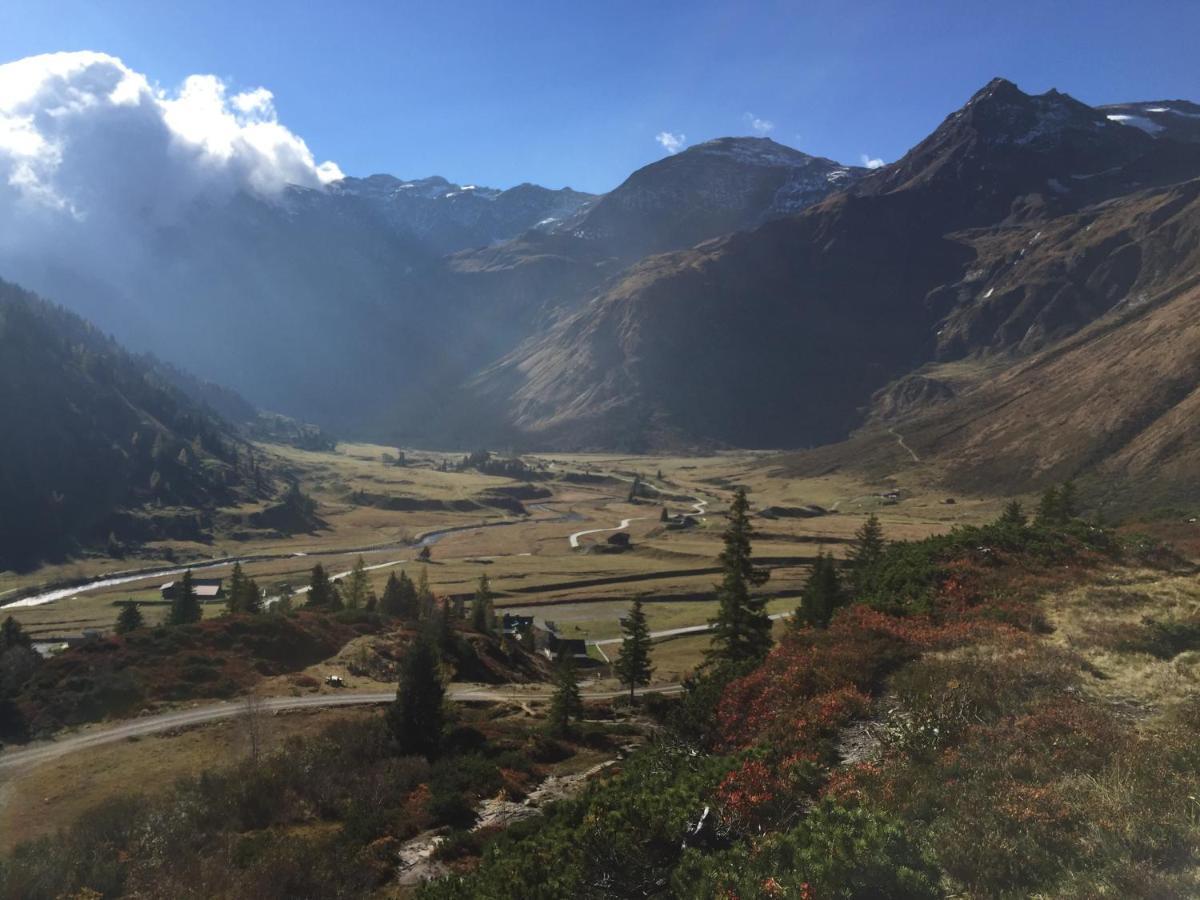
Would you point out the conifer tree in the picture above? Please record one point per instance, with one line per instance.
(482, 617)
(566, 704)
(741, 629)
(1050, 507)
(252, 598)
(866, 550)
(408, 597)
(129, 618)
(185, 607)
(237, 589)
(424, 595)
(822, 594)
(322, 593)
(415, 716)
(663, 516)
(633, 664)
(1013, 516)
(357, 586)
(1068, 502)
(13, 635)
(392, 602)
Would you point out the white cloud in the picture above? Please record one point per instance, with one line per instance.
(759, 125)
(84, 134)
(672, 143)
(871, 163)
(98, 163)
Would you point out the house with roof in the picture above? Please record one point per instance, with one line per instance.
(207, 590)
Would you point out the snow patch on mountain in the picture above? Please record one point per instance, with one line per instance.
(1141, 122)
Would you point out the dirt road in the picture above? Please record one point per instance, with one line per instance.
(12, 760)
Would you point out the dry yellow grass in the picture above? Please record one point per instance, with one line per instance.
(54, 795)
(531, 561)
(1091, 618)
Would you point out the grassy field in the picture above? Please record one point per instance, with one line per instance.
(56, 794)
(528, 559)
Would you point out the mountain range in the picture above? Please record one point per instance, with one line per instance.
(998, 276)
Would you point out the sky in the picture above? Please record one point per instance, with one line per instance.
(581, 94)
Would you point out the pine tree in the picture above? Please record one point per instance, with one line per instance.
(1068, 503)
(357, 585)
(13, 635)
(322, 593)
(663, 516)
(415, 716)
(482, 617)
(1050, 507)
(392, 603)
(252, 598)
(865, 551)
(424, 595)
(633, 664)
(1013, 516)
(408, 598)
(822, 594)
(129, 618)
(185, 607)
(567, 703)
(741, 629)
(237, 590)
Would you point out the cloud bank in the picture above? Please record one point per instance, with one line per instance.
(870, 162)
(92, 151)
(672, 143)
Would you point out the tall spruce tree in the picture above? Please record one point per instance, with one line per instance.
(185, 606)
(409, 604)
(392, 602)
(567, 703)
(865, 551)
(1068, 501)
(1049, 510)
(252, 598)
(322, 593)
(822, 594)
(425, 600)
(129, 618)
(742, 628)
(237, 590)
(633, 664)
(13, 635)
(483, 619)
(416, 715)
(1013, 516)
(357, 586)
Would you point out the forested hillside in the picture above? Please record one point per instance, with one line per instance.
(90, 430)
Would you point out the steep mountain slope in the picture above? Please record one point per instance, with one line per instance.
(1115, 403)
(779, 336)
(356, 305)
(91, 430)
(710, 189)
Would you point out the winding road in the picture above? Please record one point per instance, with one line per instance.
(573, 539)
(900, 440)
(677, 632)
(12, 760)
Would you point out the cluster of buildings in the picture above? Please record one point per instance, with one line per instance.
(546, 636)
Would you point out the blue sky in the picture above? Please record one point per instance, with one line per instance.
(572, 93)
